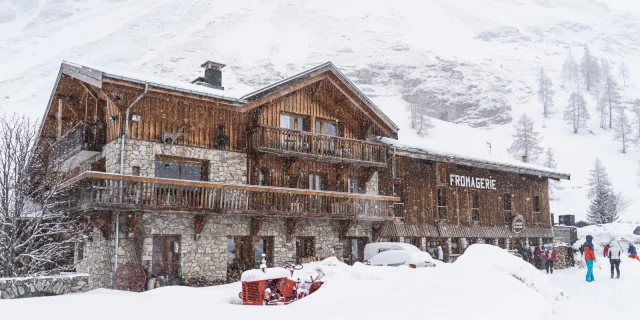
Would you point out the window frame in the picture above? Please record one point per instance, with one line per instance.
(320, 126)
(536, 204)
(475, 206)
(166, 264)
(204, 165)
(442, 206)
(305, 247)
(441, 173)
(296, 123)
(507, 199)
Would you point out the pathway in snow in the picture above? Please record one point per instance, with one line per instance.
(603, 298)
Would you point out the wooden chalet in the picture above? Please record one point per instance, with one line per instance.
(197, 183)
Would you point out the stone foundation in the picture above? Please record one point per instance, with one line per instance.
(11, 288)
(204, 259)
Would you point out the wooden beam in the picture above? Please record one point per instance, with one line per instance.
(133, 224)
(283, 92)
(292, 227)
(59, 116)
(256, 224)
(102, 222)
(89, 90)
(199, 221)
(345, 226)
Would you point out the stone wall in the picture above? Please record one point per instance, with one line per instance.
(11, 288)
(224, 166)
(204, 259)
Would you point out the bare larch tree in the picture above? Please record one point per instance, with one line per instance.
(545, 92)
(576, 113)
(525, 139)
(623, 70)
(570, 70)
(622, 128)
(550, 162)
(590, 68)
(35, 239)
(610, 97)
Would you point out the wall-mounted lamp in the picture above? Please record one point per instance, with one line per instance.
(136, 117)
(113, 118)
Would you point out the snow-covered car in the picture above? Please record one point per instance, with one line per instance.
(394, 258)
(372, 249)
(637, 231)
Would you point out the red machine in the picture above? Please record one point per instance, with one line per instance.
(274, 286)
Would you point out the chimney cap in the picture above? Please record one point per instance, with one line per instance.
(212, 65)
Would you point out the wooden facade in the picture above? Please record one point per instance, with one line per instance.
(314, 136)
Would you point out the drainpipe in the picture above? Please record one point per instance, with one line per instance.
(124, 136)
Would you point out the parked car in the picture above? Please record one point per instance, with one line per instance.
(394, 258)
(637, 231)
(372, 249)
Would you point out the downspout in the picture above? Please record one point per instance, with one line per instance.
(124, 136)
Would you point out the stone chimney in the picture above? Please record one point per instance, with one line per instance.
(212, 75)
(524, 159)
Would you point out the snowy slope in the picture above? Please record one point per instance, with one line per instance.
(477, 57)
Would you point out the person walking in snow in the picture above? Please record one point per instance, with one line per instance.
(615, 251)
(589, 257)
(440, 253)
(550, 259)
(525, 255)
(633, 254)
(537, 257)
(581, 250)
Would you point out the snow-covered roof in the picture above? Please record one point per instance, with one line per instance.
(267, 274)
(447, 156)
(84, 71)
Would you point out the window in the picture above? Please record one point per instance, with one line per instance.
(506, 199)
(166, 255)
(315, 182)
(352, 186)
(413, 241)
(179, 168)
(80, 251)
(263, 245)
(441, 173)
(292, 122)
(396, 190)
(222, 138)
(329, 128)
(394, 168)
(536, 210)
(305, 247)
(261, 178)
(135, 170)
(475, 206)
(442, 204)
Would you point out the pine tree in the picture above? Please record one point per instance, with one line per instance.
(589, 67)
(576, 113)
(550, 163)
(525, 139)
(622, 128)
(624, 73)
(600, 206)
(545, 93)
(598, 177)
(610, 97)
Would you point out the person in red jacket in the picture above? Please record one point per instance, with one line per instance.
(606, 251)
(589, 257)
(550, 258)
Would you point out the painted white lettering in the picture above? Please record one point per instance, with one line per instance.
(482, 182)
(493, 184)
(451, 177)
(473, 182)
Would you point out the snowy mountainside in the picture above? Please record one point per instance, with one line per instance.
(473, 62)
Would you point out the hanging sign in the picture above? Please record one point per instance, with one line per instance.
(472, 182)
(517, 224)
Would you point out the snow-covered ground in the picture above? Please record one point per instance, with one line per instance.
(485, 283)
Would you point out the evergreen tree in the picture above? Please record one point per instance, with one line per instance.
(525, 139)
(598, 177)
(545, 93)
(605, 206)
(600, 206)
(576, 113)
(622, 128)
(610, 97)
(550, 162)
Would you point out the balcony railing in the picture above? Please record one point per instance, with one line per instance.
(325, 147)
(105, 191)
(82, 137)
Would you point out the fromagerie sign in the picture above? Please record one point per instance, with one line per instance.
(472, 182)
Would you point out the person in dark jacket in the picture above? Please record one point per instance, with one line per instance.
(550, 259)
(525, 255)
(537, 257)
(581, 250)
(615, 251)
(633, 254)
(589, 257)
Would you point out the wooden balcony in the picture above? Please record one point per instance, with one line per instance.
(83, 137)
(94, 191)
(322, 147)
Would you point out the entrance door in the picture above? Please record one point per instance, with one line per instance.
(353, 249)
(166, 255)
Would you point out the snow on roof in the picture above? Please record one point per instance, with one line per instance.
(267, 274)
(473, 160)
(159, 82)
